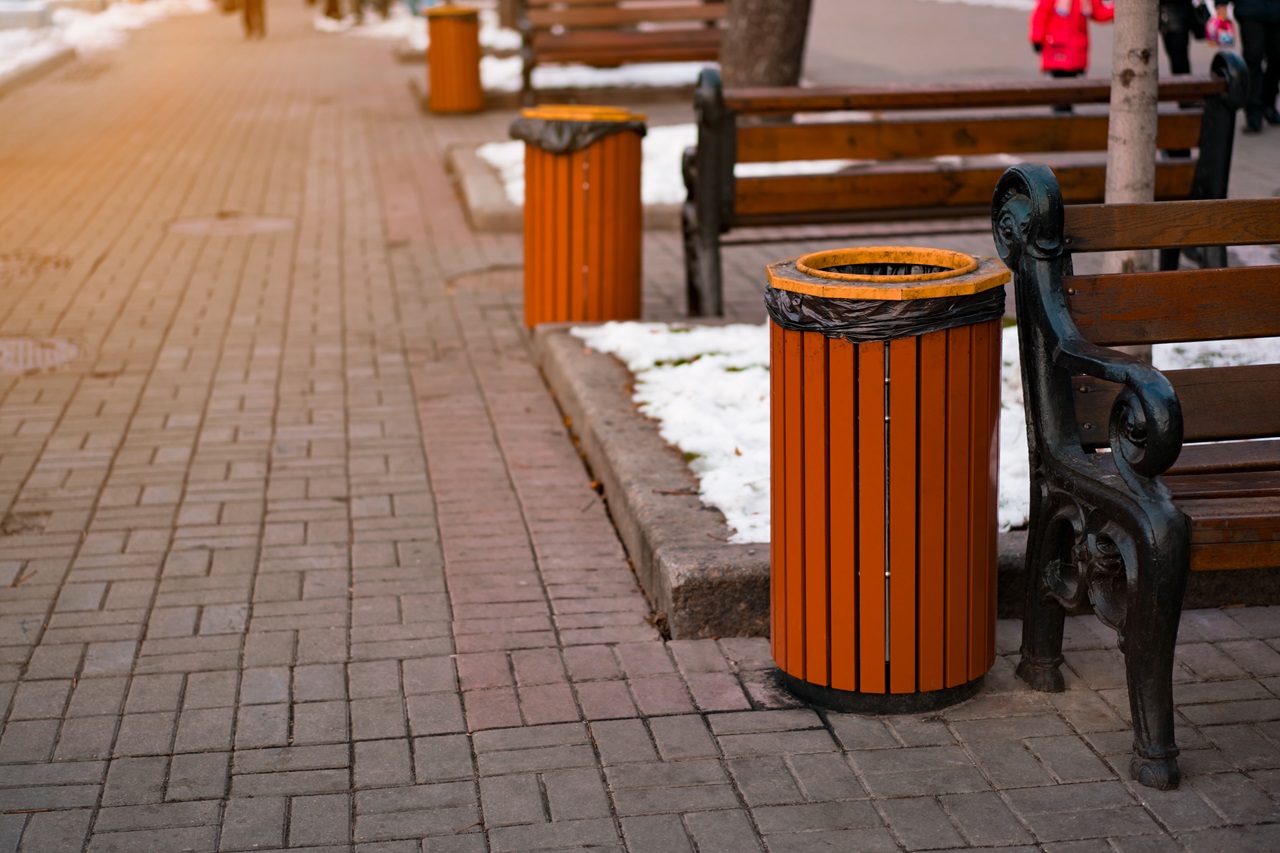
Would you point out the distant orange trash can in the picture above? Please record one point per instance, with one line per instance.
(453, 60)
(885, 406)
(583, 215)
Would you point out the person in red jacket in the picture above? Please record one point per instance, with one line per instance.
(1060, 34)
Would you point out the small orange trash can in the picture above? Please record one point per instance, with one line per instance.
(453, 60)
(885, 405)
(583, 216)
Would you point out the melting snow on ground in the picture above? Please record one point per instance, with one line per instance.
(403, 26)
(87, 32)
(661, 176)
(708, 389)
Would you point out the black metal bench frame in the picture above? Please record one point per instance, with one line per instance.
(1121, 530)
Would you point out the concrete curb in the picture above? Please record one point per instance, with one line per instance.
(16, 79)
(702, 584)
(489, 209)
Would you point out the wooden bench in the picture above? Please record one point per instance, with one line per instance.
(895, 144)
(606, 33)
(1138, 476)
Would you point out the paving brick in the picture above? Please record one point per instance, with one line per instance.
(382, 763)
(984, 819)
(132, 781)
(85, 738)
(1082, 811)
(154, 693)
(257, 823)
(680, 738)
(198, 776)
(765, 781)
(921, 824)
(55, 831)
(262, 725)
(722, 832)
(510, 800)
(655, 834)
(596, 833)
(435, 713)
(319, 820)
(670, 787)
(320, 722)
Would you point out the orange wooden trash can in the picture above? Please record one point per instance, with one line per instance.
(583, 216)
(885, 403)
(453, 60)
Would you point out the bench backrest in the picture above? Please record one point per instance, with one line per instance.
(1218, 403)
(612, 14)
(922, 123)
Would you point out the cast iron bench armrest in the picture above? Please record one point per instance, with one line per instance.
(1146, 418)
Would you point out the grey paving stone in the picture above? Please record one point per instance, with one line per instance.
(159, 815)
(722, 832)
(575, 794)
(320, 820)
(511, 800)
(1081, 811)
(442, 759)
(54, 832)
(132, 781)
(765, 781)
(256, 823)
(85, 738)
(381, 763)
(985, 820)
(680, 738)
(655, 834)
(920, 823)
(198, 776)
(554, 836)
(918, 771)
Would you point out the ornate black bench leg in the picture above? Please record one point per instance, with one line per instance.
(1043, 615)
(693, 286)
(1150, 633)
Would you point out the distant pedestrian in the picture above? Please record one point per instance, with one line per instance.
(255, 19)
(1259, 27)
(1178, 23)
(1060, 34)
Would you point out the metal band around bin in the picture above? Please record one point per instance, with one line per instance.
(565, 128)
(946, 290)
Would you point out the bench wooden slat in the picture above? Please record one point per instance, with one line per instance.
(624, 16)
(1221, 456)
(1235, 222)
(1186, 305)
(790, 198)
(961, 95)
(1233, 533)
(1243, 484)
(916, 138)
(625, 40)
(1218, 403)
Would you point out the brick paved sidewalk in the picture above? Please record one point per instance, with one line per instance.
(298, 553)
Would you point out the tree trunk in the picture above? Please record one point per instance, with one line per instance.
(507, 13)
(764, 43)
(1131, 137)
(1131, 134)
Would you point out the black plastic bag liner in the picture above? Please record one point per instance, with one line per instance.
(564, 137)
(861, 321)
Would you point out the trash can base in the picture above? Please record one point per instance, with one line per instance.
(854, 702)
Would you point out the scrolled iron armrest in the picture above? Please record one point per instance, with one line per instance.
(1146, 418)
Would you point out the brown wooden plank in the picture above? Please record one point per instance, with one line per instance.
(1170, 307)
(1218, 403)
(955, 95)
(901, 139)
(871, 518)
(843, 523)
(959, 397)
(903, 427)
(629, 40)
(625, 16)
(777, 496)
(793, 416)
(1238, 555)
(984, 418)
(1226, 456)
(1234, 484)
(937, 187)
(932, 516)
(1223, 222)
(816, 471)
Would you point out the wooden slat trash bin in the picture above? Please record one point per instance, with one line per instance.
(583, 217)
(453, 60)
(885, 403)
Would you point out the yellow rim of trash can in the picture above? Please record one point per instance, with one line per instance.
(451, 11)
(964, 275)
(584, 112)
